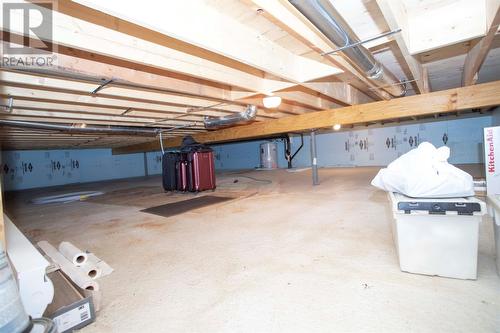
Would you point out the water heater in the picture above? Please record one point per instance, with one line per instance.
(269, 155)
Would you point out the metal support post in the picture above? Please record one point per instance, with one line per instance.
(314, 159)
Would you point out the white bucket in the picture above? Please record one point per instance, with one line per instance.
(13, 317)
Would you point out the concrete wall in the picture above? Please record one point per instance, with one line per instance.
(30, 169)
(373, 146)
(359, 147)
(153, 163)
(495, 117)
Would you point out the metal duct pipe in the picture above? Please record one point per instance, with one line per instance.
(326, 18)
(115, 130)
(233, 119)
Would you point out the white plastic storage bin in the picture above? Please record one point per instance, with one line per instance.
(494, 210)
(437, 236)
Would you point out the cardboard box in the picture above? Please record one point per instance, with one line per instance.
(492, 159)
(70, 309)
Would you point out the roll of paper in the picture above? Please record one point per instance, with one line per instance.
(91, 269)
(72, 272)
(104, 268)
(73, 254)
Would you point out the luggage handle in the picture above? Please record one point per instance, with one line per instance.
(189, 173)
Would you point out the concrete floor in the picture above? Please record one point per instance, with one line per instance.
(284, 257)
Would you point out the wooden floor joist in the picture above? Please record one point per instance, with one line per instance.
(477, 55)
(124, 65)
(452, 100)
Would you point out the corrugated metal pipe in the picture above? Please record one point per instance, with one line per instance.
(115, 130)
(233, 119)
(325, 17)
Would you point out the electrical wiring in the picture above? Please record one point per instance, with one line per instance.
(234, 180)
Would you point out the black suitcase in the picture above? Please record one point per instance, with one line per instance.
(169, 174)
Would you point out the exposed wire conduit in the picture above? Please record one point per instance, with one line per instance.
(238, 118)
(325, 17)
(110, 130)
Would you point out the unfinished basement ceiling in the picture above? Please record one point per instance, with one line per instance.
(169, 74)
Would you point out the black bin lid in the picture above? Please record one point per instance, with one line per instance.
(437, 207)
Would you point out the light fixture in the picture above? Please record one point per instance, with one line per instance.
(271, 102)
(336, 127)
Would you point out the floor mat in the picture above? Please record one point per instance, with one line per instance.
(184, 206)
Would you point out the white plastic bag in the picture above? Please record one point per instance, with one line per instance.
(425, 173)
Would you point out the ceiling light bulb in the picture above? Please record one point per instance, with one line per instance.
(336, 127)
(271, 102)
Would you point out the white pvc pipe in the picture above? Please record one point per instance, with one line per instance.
(91, 268)
(76, 275)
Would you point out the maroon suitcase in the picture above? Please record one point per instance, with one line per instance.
(181, 174)
(201, 170)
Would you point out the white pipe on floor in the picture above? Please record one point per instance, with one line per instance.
(76, 275)
(73, 254)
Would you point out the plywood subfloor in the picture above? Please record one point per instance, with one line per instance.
(285, 257)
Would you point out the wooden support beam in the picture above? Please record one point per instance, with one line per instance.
(476, 56)
(446, 101)
(395, 16)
